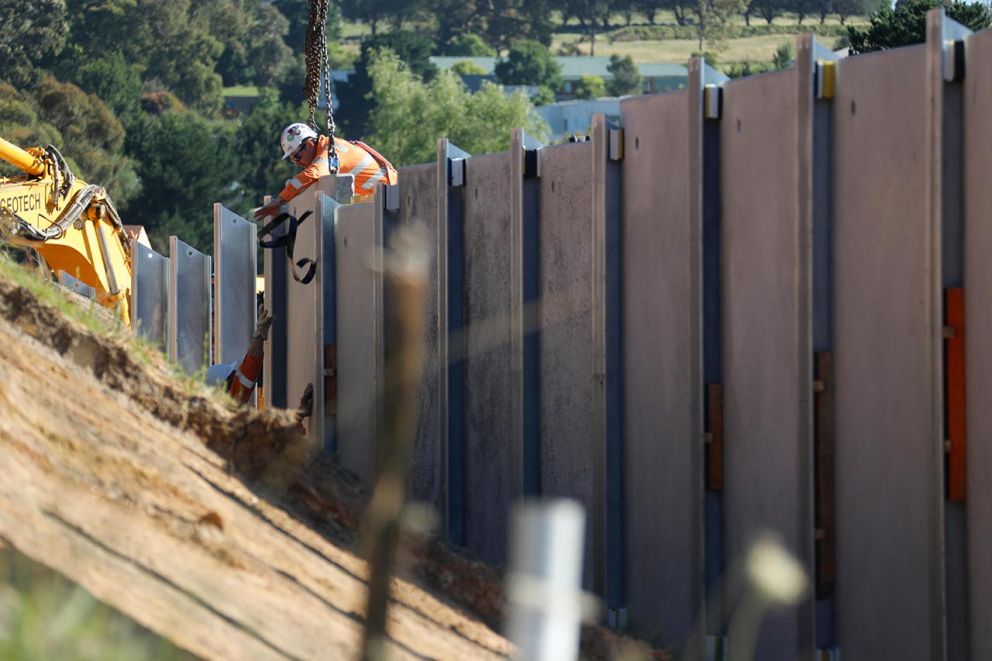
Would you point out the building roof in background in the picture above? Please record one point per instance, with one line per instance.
(573, 67)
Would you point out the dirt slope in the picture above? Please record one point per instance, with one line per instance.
(196, 520)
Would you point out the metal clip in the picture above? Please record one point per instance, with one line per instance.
(712, 101)
(616, 144)
(826, 79)
(456, 172)
(953, 60)
(391, 197)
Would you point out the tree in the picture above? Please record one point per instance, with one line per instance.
(459, 24)
(469, 45)
(467, 68)
(593, 16)
(626, 76)
(256, 143)
(186, 163)
(111, 78)
(714, 19)
(355, 95)
(649, 8)
(590, 87)
(823, 8)
(529, 63)
(413, 114)
(906, 24)
(783, 57)
(91, 138)
(32, 29)
(768, 9)
(506, 21)
(374, 11)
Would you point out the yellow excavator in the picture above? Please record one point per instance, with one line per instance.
(73, 226)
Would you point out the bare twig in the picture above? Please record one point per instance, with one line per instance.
(406, 277)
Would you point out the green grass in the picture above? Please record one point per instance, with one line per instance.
(45, 616)
(241, 90)
(96, 319)
(653, 43)
(753, 49)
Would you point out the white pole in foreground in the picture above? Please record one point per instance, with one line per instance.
(544, 583)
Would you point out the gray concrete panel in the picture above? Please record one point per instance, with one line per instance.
(274, 361)
(149, 295)
(978, 334)
(235, 248)
(359, 336)
(418, 205)
(570, 446)
(325, 409)
(489, 441)
(304, 308)
(884, 395)
(662, 462)
(189, 306)
(766, 338)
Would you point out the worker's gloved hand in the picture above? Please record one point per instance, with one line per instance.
(306, 403)
(263, 324)
(269, 210)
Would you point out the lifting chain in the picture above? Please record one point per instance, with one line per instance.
(318, 69)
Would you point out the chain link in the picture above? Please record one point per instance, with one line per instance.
(318, 69)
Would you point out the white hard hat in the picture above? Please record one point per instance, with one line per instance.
(217, 374)
(293, 136)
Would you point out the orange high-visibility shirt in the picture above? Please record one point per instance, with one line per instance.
(354, 158)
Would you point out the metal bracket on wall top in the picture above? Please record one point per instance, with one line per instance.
(712, 101)
(953, 60)
(615, 144)
(391, 197)
(456, 172)
(826, 79)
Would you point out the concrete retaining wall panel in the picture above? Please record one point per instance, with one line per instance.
(765, 338)
(488, 388)
(235, 248)
(304, 332)
(664, 557)
(570, 446)
(150, 294)
(189, 306)
(418, 205)
(978, 325)
(885, 469)
(359, 336)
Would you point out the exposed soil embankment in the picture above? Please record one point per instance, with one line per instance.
(212, 526)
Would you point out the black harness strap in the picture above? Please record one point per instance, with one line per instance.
(289, 241)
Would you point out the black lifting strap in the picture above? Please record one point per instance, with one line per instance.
(289, 240)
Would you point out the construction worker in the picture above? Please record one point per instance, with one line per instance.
(240, 377)
(311, 153)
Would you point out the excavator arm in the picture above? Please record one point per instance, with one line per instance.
(72, 225)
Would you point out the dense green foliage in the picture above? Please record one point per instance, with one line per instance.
(590, 87)
(132, 91)
(412, 114)
(530, 63)
(906, 24)
(626, 76)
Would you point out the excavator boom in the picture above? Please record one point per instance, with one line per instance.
(72, 225)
